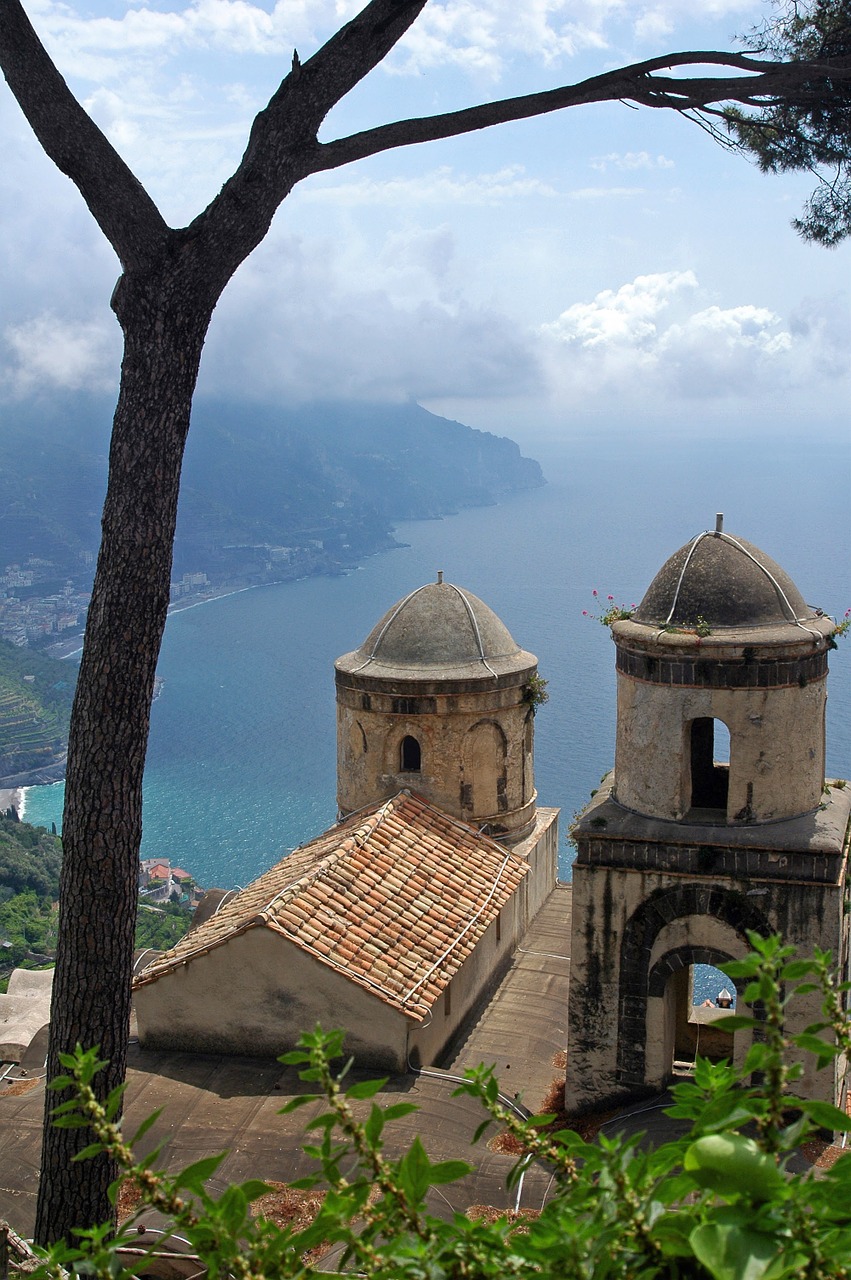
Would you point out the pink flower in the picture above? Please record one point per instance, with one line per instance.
(610, 597)
(585, 613)
(594, 592)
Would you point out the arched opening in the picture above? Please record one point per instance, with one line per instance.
(410, 755)
(683, 1022)
(709, 996)
(483, 759)
(710, 765)
(707, 925)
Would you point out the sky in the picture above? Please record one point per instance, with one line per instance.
(597, 271)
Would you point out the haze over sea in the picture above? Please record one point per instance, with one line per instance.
(241, 762)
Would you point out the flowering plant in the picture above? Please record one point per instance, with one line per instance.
(612, 612)
(842, 628)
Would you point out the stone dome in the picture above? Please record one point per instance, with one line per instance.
(727, 582)
(439, 631)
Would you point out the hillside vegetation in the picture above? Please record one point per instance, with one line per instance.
(30, 862)
(35, 706)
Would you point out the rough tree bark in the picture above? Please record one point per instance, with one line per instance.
(165, 297)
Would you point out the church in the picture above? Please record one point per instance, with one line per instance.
(398, 922)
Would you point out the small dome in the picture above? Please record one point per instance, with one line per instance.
(439, 631)
(725, 581)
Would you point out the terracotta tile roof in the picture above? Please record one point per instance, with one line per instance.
(395, 898)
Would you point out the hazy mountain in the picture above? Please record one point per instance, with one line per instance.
(339, 475)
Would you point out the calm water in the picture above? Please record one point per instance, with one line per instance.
(242, 753)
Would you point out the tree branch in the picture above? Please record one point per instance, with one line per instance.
(283, 141)
(121, 206)
(766, 84)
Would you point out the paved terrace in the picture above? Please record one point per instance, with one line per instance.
(211, 1104)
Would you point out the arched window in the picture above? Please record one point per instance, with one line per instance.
(710, 769)
(410, 756)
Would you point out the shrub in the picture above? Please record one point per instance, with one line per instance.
(718, 1202)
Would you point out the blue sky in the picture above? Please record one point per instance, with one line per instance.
(598, 270)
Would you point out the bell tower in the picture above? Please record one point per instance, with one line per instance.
(439, 698)
(716, 820)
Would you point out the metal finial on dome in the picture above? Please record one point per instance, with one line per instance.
(440, 577)
(719, 522)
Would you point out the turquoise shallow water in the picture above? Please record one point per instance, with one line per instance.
(242, 753)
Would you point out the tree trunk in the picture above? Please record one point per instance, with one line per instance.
(102, 823)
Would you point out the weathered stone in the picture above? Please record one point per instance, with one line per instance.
(692, 854)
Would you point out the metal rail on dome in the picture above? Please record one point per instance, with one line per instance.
(401, 605)
(718, 532)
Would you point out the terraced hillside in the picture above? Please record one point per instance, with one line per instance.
(35, 706)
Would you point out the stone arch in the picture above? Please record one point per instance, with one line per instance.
(683, 958)
(484, 755)
(643, 927)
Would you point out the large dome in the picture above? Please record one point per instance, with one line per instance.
(726, 582)
(439, 631)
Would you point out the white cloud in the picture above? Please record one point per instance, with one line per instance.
(630, 161)
(626, 317)
(654, 337)
(606, 193)
(440, 186)
(238, 26)
(483, 36)
(49, 352)
(480, 37)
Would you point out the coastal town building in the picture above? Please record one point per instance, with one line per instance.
(398, 921)
(715, 822)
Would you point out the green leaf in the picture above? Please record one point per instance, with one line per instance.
(195, 1175)
(326, 1121)
(733, 1252)
(254, 1188)
(231, 1209)
(448, 1171)
(294, 1058)
(735, 1022)
(398, 1109)
(113, 1102)
(71, 1122)
(374, 1125)
(300, 1100)
(541, 1120)
(483, 1127)
(89, 1152)
(145, 1126)
(366, 1088)
(822, 1049)
(796, 969)
(414, 1173)
(730, 1164)
(826, 1115)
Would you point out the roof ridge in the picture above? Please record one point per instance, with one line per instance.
(356, 839)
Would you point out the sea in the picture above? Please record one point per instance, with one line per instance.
(241, 759)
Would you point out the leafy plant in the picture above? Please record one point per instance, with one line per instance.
(613, 612)
(719, 1202)
(841, 629)
(535, 692)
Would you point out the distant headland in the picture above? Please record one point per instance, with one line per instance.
(269, 495)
